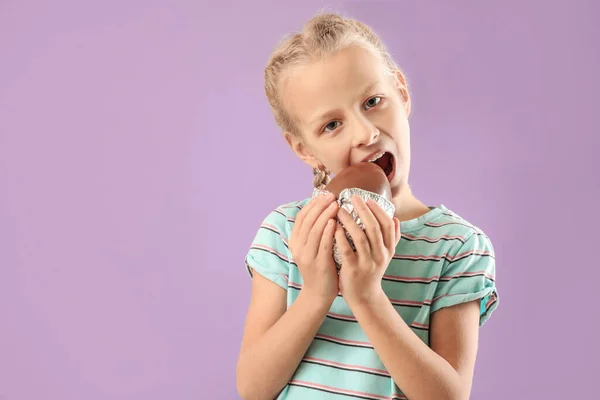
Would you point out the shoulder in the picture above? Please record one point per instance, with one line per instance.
(451, 226)
(469, 270)
(284, 215)
(276, 225)
(269, 254)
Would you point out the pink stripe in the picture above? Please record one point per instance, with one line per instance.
(409, 279)
(409, 302)
(344, 391)
(450, 223)
(491, 301)
(418, 325)
(433, 240)
(393, 301)
(442, 256)
(270, 250)
(348, 366)
(434, 278)
(341, 316)
(477, 230)
(344, 341)
(274, 228)
(294, 285)
(289, 219)
(292, 206)
(471, 252)
(418, 257)
(475, 273)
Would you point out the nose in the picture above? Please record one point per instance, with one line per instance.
(365, 133)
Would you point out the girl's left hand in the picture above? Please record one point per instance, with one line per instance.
(362, 271)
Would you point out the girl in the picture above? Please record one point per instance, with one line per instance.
(401, 319)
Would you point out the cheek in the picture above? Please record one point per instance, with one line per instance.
(339, 162)
(401, 128)
(401, 136)
(336, 161)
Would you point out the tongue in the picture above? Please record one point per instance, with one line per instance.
(385, 164)
(389, 168)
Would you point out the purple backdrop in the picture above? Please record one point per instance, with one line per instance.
(138, 158)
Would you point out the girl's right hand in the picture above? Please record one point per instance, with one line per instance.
(311, 245)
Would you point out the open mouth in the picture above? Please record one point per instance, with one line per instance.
(386, 163)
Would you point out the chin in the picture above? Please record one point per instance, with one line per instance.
(399, 185)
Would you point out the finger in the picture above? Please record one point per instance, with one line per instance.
(305, 210)
(386, 224)
(398, 233)
(344, 248)
(361, 243)
(326, 245)
(301, 214)
(316, 233)
(309, 218)
(373, 229)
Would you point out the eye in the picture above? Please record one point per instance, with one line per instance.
(372, 102)
(330, 126)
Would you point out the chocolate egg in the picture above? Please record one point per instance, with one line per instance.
(366, 180)
(365, 175)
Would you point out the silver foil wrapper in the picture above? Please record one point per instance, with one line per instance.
(344, 201)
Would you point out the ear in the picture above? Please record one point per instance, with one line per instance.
(299, 147)
(400, 81)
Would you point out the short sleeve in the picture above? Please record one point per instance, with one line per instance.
(469, 275)
(269, 254)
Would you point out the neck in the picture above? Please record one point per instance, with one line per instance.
(408, 206)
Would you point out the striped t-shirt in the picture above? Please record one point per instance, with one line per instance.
(441, 260)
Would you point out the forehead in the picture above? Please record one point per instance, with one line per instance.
(331, 83)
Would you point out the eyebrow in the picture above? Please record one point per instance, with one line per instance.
(330, 113)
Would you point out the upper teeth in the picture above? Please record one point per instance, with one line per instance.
(377, 157)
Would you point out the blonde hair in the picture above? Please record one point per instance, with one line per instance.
(322, 36)
(322, 177)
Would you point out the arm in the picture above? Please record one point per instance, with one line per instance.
(275, 340)
(444, 371)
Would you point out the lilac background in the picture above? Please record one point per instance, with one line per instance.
(121, 272)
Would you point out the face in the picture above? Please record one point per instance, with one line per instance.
(349, 109)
